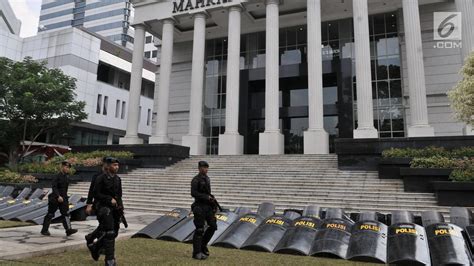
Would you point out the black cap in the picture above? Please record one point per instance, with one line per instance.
(66, 163)
(203, 164)
(111, 160)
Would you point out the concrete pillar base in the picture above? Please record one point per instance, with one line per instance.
(420, 131)
(159, 140)
(231, 144)
(271, 143)
(468, 130)
(130, 140)
(316, 142)
(366, 133)
(196, 143)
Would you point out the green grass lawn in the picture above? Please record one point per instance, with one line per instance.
(7, 224)
(154, 252)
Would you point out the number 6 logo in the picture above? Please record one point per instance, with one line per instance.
(447, 26)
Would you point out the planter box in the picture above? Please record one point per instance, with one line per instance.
(420, 179)
(389, 168)
(455, 193)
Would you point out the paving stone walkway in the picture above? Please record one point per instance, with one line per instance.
(23, 242)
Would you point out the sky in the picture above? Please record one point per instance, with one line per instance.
(28, 12)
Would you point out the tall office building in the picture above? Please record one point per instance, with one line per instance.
(109, 18)
(8, 21)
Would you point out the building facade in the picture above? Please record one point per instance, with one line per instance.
(274, 77)
(108, 18)
(8, 21)
(102, 70)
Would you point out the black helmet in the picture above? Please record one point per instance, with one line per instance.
(111, 160)
(203, 164)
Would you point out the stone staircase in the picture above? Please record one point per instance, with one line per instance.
(289, 181)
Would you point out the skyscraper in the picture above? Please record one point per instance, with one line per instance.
(109, 18)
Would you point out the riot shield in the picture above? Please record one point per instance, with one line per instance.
(447, 246)
(28, 206)
(162, 224)
(17, 203)
(21, 196)
(7, 191)
(181, 231)
(461, 216)
(268, 234)
(242, 210)
(37, 205)
(73, 201)
(431, 217)
(223, 220)
(239, 231)
(470, 237)
(312, 211)
(292, 213)
(266, 209)
(368, 240)
(299, 237)
(407, 244)
(333, 238)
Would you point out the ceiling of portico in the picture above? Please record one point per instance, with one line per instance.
(292, 13)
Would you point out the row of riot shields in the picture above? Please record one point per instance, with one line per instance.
(397, 238)
(32, 206)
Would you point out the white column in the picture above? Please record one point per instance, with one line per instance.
(131, 136)
(194, 139)
(272, 141)
(161, 128)
(365, 111)
(110, 138)
(316, 139)
(231, 142)
(419, 126)
(466, 7)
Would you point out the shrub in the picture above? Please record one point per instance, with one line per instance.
(434, 162)
(462, 175)
(427, 152)
(412, 153)
(14, 177)
(42, 168)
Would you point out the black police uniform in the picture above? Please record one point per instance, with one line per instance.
(204, 211)
(59, 186)
(90, 200)
(107, 187)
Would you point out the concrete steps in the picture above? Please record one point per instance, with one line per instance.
(289, 181)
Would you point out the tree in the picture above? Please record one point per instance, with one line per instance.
(34, 100)
(462, 95)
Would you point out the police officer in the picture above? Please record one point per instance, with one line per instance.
(59, 200)
(108, 204)
(90, 211)
(204, 210)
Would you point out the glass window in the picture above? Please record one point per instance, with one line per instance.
(148, 117)
(147, 54)
(106, 104)
(99, 103)
(117, 108)
(154, 54)
(124, 104)
(299, 97)
(148, 39)
(330, 95)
